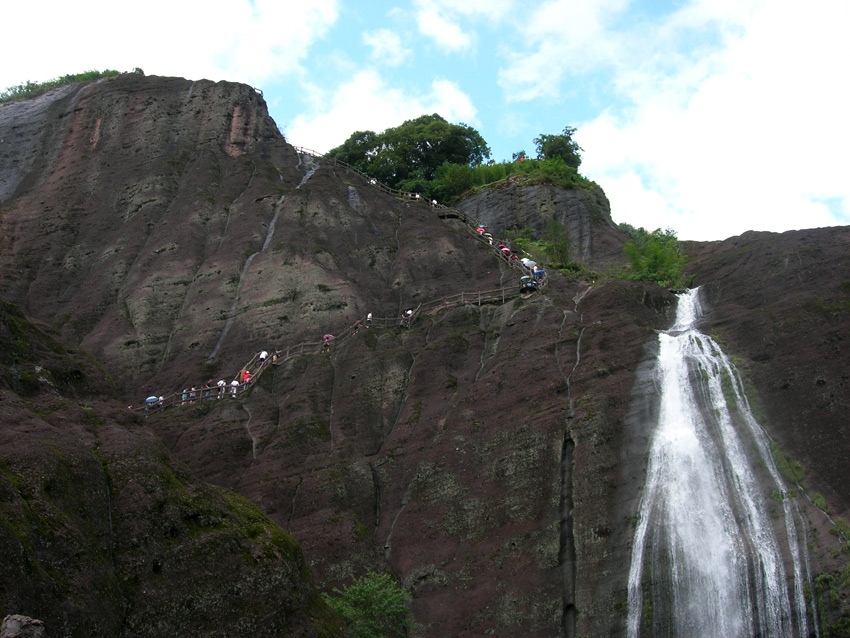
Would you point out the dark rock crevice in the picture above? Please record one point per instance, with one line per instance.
(376, 490)
(330, 407)
(108, 491)
(292, 502)
(386, 433)
(567, 549)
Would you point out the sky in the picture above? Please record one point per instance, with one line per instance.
(707, 117)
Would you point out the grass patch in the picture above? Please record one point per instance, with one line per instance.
(792, 471)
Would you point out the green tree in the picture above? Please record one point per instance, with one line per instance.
(633, 233)
(413, 151)
(656, 256)
(559, 146)
(452, 180)
(374, 606)
(357, 149)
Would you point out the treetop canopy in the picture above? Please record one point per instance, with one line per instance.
(413, 150)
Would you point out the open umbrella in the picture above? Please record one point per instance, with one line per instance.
(328, 337)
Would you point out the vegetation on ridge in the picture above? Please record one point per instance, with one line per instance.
(29, 90)
(442, 161)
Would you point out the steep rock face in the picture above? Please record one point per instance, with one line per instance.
(585, 213)
(490, 456)
(103, 534)
(475, 454)
(444, 453)
(127, 201)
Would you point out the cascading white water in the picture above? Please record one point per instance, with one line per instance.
(706, 560)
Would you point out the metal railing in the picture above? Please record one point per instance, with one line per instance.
(442, 210)
(256, 368)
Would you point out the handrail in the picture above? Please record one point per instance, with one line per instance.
(440, 208)
(279, 356)
(256, 367)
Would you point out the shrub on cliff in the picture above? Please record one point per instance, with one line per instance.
(655, 256)
(453, 180)
(374, 606)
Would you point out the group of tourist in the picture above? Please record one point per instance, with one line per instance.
(211, 389)
(220, 389)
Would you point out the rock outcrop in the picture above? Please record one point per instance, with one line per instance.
(16, 626)
(585, 213)
(130, 202)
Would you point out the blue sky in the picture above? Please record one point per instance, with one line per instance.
(710, 117)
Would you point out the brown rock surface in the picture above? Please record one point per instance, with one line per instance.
(103, 533)
(490, 456)
(585, 213)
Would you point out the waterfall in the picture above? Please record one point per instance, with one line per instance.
(707, 555)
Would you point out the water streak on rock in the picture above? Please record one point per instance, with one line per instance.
(311, 167)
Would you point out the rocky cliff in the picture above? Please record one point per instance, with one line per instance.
(104, 533)
(490, 456)
(584, 212)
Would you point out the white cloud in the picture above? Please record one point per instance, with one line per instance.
(237, 40)
(493, 10)
(440, 20)
(386, 46)
(563, 37)
(754, 140)
(367, 103)
(452, 103)
(448, 35)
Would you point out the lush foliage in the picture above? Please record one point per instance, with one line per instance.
(524, 239)
(34, 89)
(374, 606)
(655, 256)
(561, 147)
(440, 160)
(410, 154)
(452, 180)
